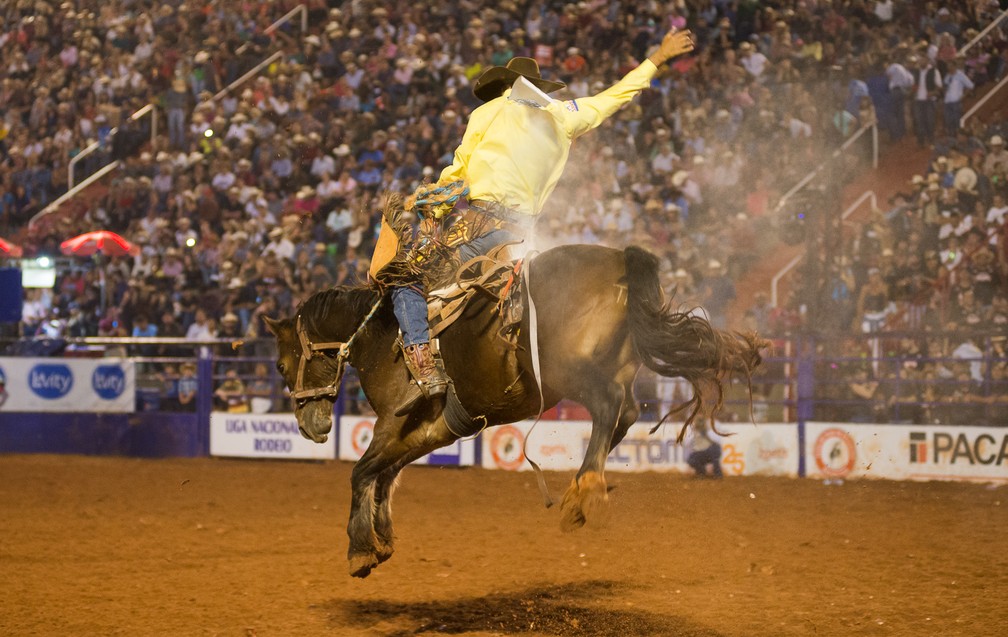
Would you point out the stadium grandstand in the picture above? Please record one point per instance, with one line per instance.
(797, 175)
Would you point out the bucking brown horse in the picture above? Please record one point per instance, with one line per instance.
(600, 315)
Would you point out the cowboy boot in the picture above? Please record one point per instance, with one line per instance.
(425, 365)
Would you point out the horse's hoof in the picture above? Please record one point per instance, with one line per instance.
(571, 515)
(383, 553)
(593, 496)
(585, 498)
(571, 519)
(361, 564)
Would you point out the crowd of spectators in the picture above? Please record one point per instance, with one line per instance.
(253, 198)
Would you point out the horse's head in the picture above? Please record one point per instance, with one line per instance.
(312, 351)
(311, 375)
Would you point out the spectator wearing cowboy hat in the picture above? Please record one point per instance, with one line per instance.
(996, 162)
(512, 155)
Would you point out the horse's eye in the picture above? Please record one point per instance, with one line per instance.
(280, 367)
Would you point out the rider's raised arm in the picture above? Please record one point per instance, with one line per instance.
(579, 116)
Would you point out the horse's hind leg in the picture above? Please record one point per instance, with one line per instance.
(587, 491)
(629, 412)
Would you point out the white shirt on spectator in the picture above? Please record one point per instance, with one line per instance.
(327, 188)
(884, 10)
(198, 332)
(278, 105)
(162, 182)
(323, 165)
(691, 190)
(282, 247)
(996, 216)
(223, 181)
(63, 136)
(664, 161)
(339, 220)
(956, 86)
(755, 63)
(238, 130)
(996, 161)
(143, 51)
(899, 76)
(964, 226)
(354, 78)
(968, 351)
(33, 311)
(799, 128)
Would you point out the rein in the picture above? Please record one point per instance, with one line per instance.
(309, 350)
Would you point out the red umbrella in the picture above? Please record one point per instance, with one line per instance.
(8, 249)
(108, 243)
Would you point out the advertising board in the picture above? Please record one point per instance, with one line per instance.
(45, 385)
(906, 452)
(355, 433)
(766, 449)
(264, 436)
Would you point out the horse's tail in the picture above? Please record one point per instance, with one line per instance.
(673, 343)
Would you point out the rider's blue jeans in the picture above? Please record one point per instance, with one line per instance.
(409, 303)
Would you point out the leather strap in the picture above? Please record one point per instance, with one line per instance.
(536, 372)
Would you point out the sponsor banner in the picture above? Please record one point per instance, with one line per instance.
(760, 450)
(355, 433)
(906, 452)
(67, 385)
(264, 436)
(560, 446)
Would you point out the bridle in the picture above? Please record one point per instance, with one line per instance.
(309, 350)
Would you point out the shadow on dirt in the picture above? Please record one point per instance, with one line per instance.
(569, 609)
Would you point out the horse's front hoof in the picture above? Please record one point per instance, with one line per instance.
(383, 553)
(571, 519)
(593, 497)
(362, 564)
(585, 498)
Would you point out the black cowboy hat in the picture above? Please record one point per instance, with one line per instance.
(495, 79)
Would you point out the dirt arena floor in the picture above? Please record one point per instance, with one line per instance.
(117, 546)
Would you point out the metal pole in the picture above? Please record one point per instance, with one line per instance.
(983, 34)
(204, 399)
(874, 135)
(806, 393)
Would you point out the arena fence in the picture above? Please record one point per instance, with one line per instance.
(817, 405)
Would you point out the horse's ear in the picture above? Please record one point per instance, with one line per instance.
(273, 325)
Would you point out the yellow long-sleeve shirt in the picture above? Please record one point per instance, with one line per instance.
(514, 154)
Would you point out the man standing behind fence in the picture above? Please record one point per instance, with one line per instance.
(956, 85)
(927, 88)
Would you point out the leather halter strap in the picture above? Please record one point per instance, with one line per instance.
(309, 350)
(299, 394)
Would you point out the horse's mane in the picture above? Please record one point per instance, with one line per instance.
(319, 309)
